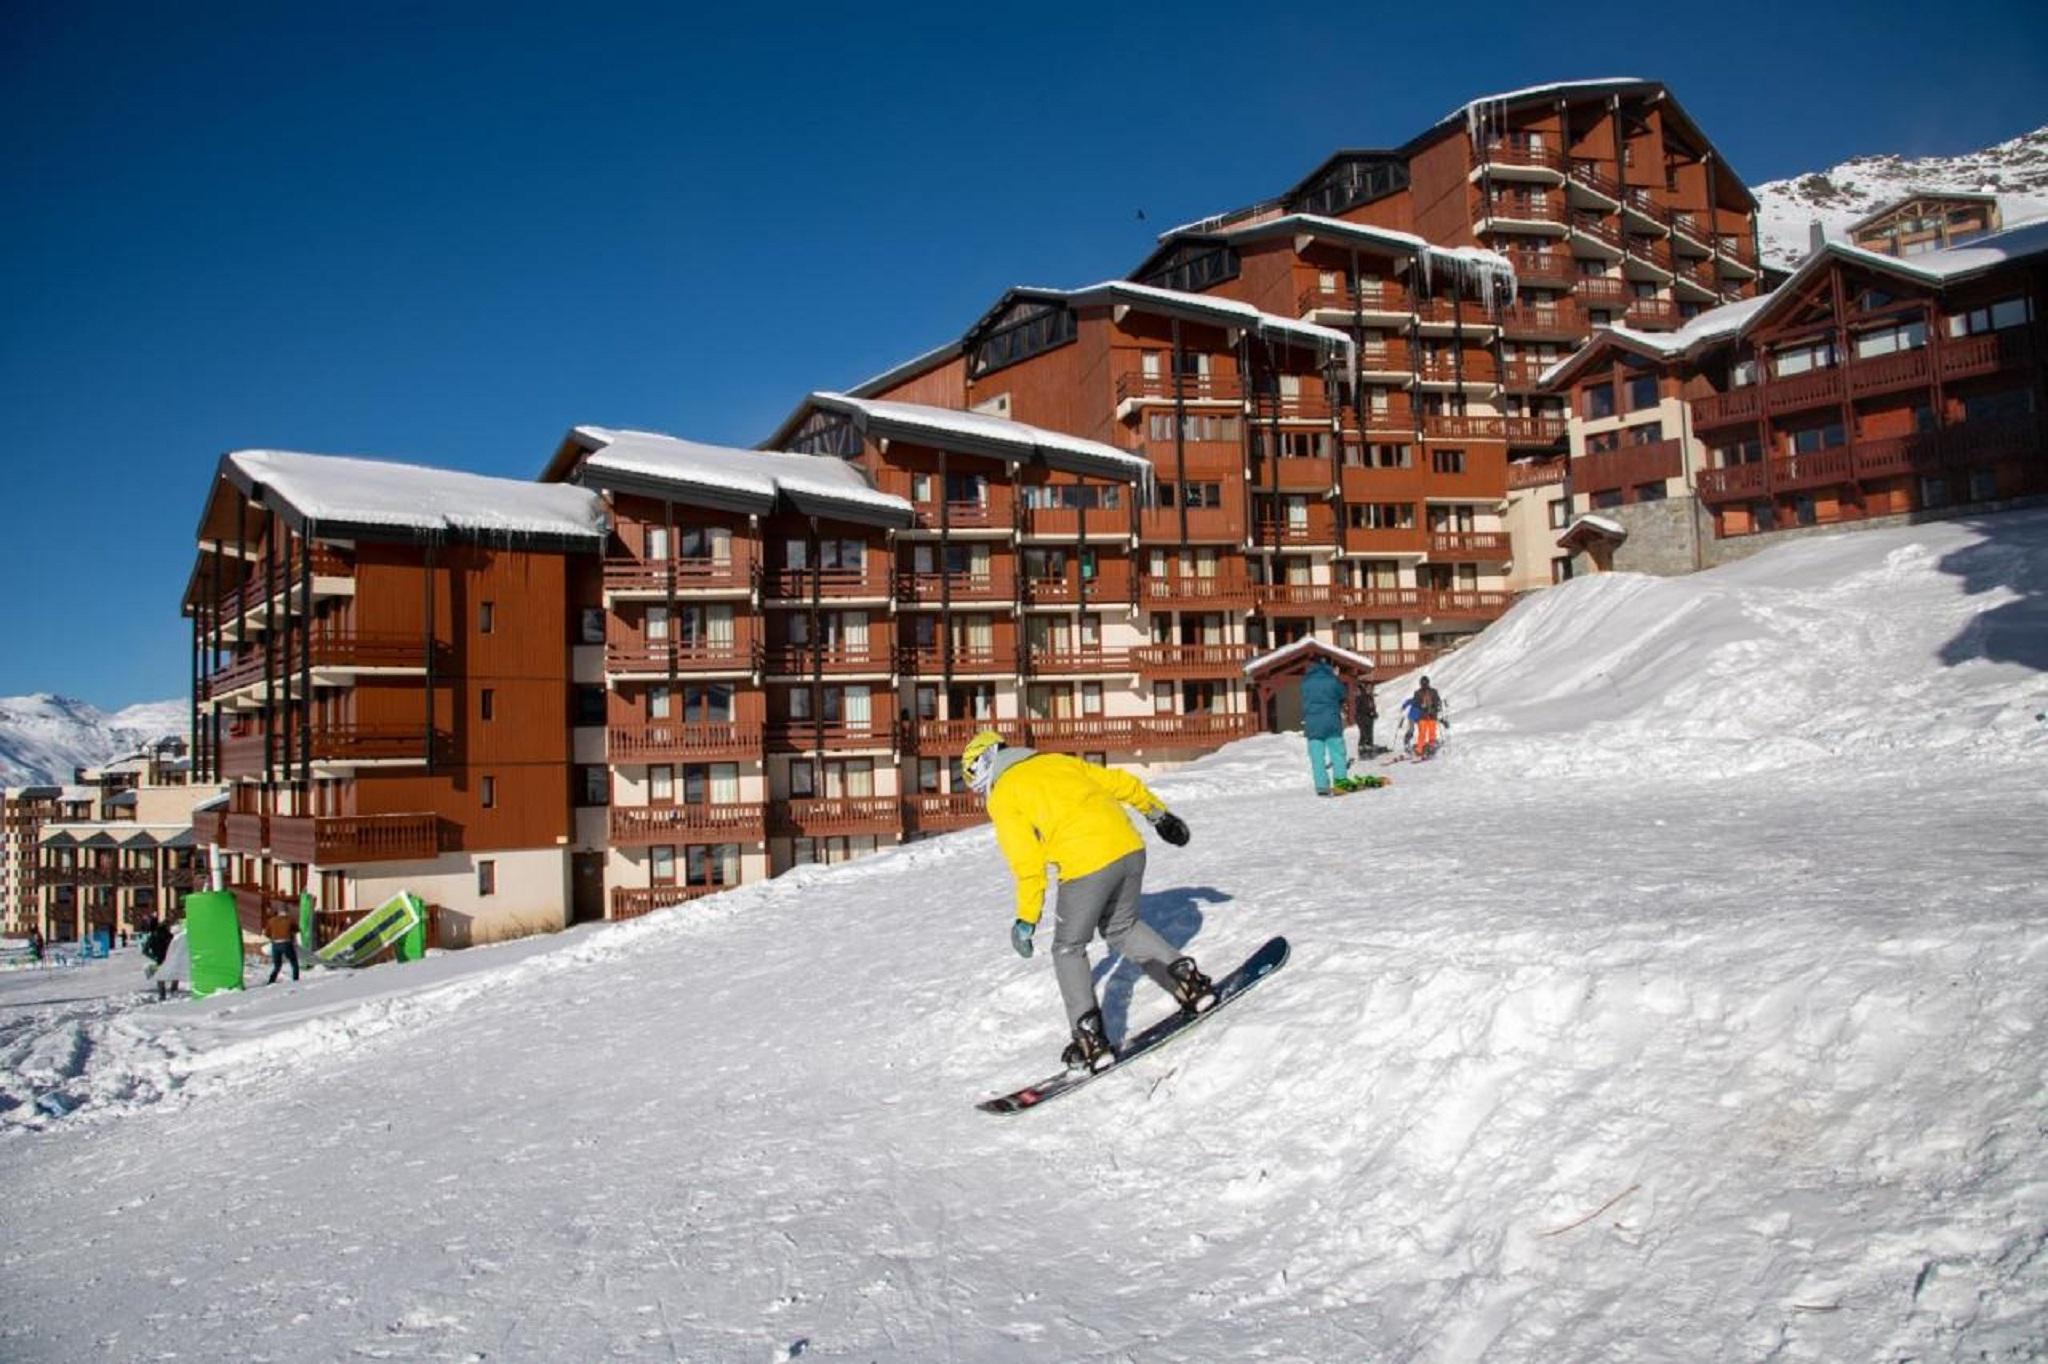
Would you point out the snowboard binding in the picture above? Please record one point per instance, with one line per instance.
(1193, 991)
(1090, 1048)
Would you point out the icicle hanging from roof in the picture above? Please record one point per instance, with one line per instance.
(1477, 272)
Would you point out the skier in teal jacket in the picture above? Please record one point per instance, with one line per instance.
(1322, 719)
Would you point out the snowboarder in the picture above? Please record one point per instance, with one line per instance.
(1051, 809)
(156, 947)
(1368, 712)
(283, 945)
(1322, 719)
(1428, 706)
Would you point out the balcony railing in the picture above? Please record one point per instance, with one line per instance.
(995, 510)
(1557, 321)
(1651, 250)
(935, 812)
(637, 826)
(1184, 590)
(1294, 599)
(1391, 663)
(1589, 174)
(1653, 314)
(246, 833)
(1458, 426)
(1066, 522)
(630, 902)
(1469, 605)
(795, 660)
(1553, 268)
(1464, 369)
(265, 583)
(1736, 405)
(1734, 481)
(996, 584)
(1191, 660)
(1520, 150)
(1123, 734)
(1986, 353)
(831, 584)
(929, 660)
(1536, 430)
(1488, 545)
(813, 818)
(242, 755)
(800, 736)
(1442, 312)
(695, 656)
(1810, 389)
(1384, 603)
(1371, 296)
(1640, 200)
(1193, 387)
(930, 737)
(339, 840)
(1598, 228)
(1628, 466)
(733, 573)
(1294, 475)
(1380, 357)
(1883, 373)
(1050, 659)
(1313, 525)
(1386, 539)
(1524, 208)
(1208, 524)
(662, 740)
(328, 651)
(1813, 469)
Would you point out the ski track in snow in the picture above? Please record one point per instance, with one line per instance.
(1690, 1008)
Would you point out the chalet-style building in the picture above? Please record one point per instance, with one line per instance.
(1867, 386)
(131, 855)
(1926, 220)
(380, 658)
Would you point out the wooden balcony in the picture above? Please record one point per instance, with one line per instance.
(1986, 353)
(252, 598)
(1590, 175)
(1889, 373)
(114, 877)
(1453, 426)
(246, 833)
(1126, 734)
(1468, 605)
(1509, 210)
(1564, 321)
(794, 660)
(1384, 603)
(1653, 314)
(1375, 297)
(1191, 592)
(1475, 369)
(1314, 524)
(930, 660)
(1390, 540)
(1648, 258)
(1628, 467)
(834, 736)
(1737, 482)
(940, 737)
(1534, 474)
(1515, 151)
(1815, 469)
(1522, 374)
(1594, 228)
(1437, 313)
(937, 812)
(1208, 525)
(654, 578)
(1192, 388)
(1294, 475)
(210, 827)
(333, 745)
(1814, 388)
(1388, 664)
(930, 589)
(817, 818)
(1726, 409)
(1551, 269)
(1642, 203)
(997, 511)
(1386, 357)
(668, 741)
(868, 582)
(643, 826)
(653, 657)
(340, 840)
(1302, 599)
(1071, 589)
(1051, 660)
(332, 653)
(1193, 661)
(1066, 523)
(1542, 430)
(630, 902)
(1485, 546)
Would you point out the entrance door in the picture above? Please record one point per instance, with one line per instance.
(586, 890)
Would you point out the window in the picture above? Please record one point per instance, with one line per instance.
(487, 702)
(1393, 457)
(928, 770)
(1801, 359)
(1815, 438)
(2000, 406)
(590, 704)
(1600, 442)
(1642, 392)
(590, 625)
(486, 877)
(486, 614)
(661, 784)
(1447, 461)
(1560, 513)
(1983, 485)
(1650, 492)
(1803, 509)
(661, 864)
(1192, 494)
(1606, 499)
(1746, 451)
(1933, 491)
(1561, 569)
(593, 785)
(1890, 340)
(1382, 516)
(490, 793)
(1763, 516)
(708, 703)
(657, 703)
(1646, 433)
(1599, 401)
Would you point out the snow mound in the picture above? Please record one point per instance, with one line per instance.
(1904, 643)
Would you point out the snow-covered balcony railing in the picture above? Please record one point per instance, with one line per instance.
(1533, 430)
(342, 839)
(1077, 659)
(1590, 175)
(1562, 321)
(800, 736)
(1653, 314)
(870, 580)
(1377, 296)
(1519, 151)
(652, 577)
(800, 660)
(1225, 591)
(938, 737)
(1629, 466)
(1486, 545)
(930, 660)
(826, 815)
(667, 740)
(630, 902)
(997, 584)
(640, 826)
(1468, 605)
(1191, 660)
(1745, 404)
(1142, 387)
(1207, 524)
(936, 811)
(642, 656)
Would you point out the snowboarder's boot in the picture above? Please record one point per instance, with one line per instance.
(1192, 990)
(1090, 1048)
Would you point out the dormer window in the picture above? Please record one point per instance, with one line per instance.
(1025, 330)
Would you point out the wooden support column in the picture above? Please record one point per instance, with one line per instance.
(427, 580)
(306, 664)
(1180, 435)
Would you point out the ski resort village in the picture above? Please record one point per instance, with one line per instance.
(1470, 721)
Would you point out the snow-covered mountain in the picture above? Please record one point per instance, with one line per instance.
(2017, 171)
(1688, 1008)
(44, 737)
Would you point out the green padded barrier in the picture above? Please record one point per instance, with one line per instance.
(213, 934)
(309, 929)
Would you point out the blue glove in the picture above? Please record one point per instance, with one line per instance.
(1020, 937)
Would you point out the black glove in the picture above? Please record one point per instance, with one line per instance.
(1171, 827)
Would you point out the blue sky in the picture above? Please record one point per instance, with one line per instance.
(447, 233)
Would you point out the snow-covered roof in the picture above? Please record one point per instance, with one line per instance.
(341, 495)
(1709, 328)
(1487, 274)
(218, 802)
(1306, 644)
(1225, 312)
(77, 793)
(982, 432)
(1899, 201)
(1527, 92)
(752, 478)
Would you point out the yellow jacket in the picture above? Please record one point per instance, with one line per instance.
(1052, 808)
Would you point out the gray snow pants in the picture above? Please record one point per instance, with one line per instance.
(1104, 901)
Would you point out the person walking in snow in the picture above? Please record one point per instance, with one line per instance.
(35, 943)
(283, 946)
(1428, 707)
(1051, 809)
(1322, 720)
(156, 947)
(1367, 713)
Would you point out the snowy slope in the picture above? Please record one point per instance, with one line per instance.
(44, 737)
(1631, 1030)
(2017, 171)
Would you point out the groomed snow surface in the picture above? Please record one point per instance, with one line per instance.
(1690, 1007)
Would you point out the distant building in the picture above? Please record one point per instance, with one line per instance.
(1926, 220)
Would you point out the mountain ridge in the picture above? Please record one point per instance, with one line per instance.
(44, 736)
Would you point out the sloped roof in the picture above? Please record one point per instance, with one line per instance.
(348, 496)
(1307, 644)
(985, 433)
(723, 476)
(1207, 308)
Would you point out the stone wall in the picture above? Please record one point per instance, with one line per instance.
(1666, 539)
(1715, 552)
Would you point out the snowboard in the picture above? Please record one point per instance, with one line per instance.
(1344, 786)
(1256, 968)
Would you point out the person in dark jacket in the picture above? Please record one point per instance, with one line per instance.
(1322, 719)
(1367, 712)
(1428, 706)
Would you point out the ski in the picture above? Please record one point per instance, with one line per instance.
(1262, 963)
